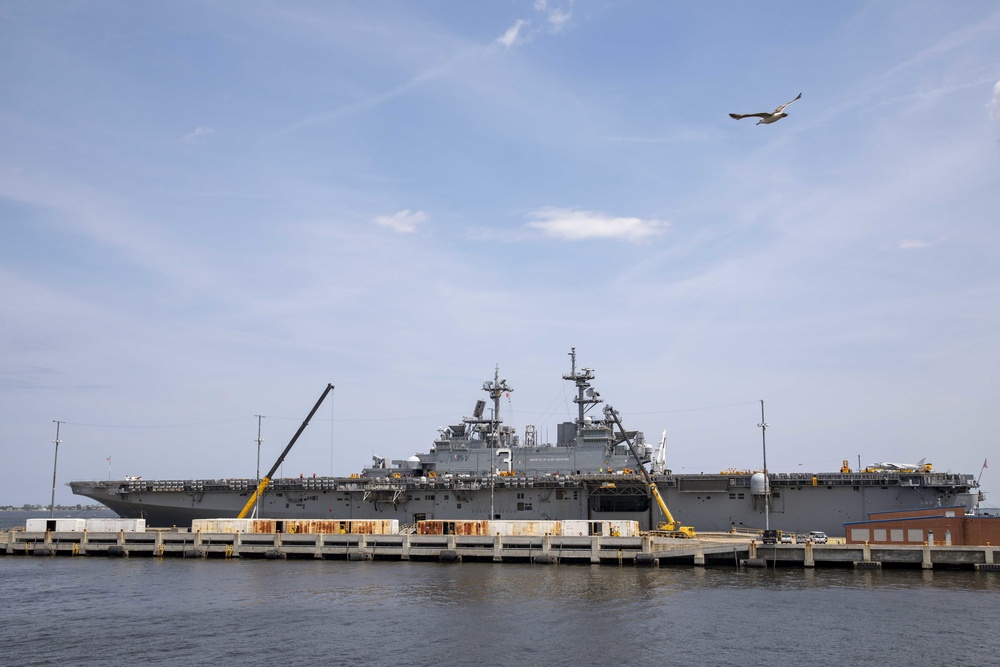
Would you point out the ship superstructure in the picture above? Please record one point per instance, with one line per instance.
(483, 446)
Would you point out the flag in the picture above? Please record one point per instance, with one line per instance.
(986, 463)
(109, 459)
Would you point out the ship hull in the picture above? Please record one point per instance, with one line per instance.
(710, 503)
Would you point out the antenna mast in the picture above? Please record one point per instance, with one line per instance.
(767, 478)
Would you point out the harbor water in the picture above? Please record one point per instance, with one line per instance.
(100, 611)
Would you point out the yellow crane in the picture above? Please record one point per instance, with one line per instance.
(671, 527)
(266, 479)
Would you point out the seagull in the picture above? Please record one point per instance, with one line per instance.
(766, 117)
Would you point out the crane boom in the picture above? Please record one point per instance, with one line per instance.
(266, 479)
(671, 526)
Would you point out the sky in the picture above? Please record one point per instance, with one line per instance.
(211, 210)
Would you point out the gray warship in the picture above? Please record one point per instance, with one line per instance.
(481, 469)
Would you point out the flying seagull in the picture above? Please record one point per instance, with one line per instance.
(766, 117)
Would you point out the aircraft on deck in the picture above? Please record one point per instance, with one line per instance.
(920, 466)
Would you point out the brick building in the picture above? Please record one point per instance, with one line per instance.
(937, 525)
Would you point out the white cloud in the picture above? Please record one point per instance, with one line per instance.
(519, 33)
(198, 135)
(404, 222)
(582, 225)
(919, 244)
(510, 38)
(558, 19)
(556, 16)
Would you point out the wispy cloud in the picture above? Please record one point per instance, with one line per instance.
(684, 135)
(920, 244)
(511, 37)
(404, 222)
(109, 220)
(557, 17)
(198, 135)
(365, 103)
(582, 225)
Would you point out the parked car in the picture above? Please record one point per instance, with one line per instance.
(787, 538)
(818, 537)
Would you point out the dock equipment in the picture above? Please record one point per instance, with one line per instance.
(266, 479)
(671, 527)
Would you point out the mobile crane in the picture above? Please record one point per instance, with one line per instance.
(671, 527)
(266, 479)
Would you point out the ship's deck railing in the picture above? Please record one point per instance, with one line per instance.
(475, 483)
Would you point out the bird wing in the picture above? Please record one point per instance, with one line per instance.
(782, 107)
(763, 114)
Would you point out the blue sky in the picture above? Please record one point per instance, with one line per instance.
(208, 211)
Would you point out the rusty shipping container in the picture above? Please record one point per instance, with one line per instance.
(512, 528)
(290, 526)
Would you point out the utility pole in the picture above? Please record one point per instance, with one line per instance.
(256, 508)
(55, 460)
(767, 479)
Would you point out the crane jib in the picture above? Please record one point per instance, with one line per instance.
(671, 527)
(267, 478)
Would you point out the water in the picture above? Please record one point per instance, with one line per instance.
(100, 611)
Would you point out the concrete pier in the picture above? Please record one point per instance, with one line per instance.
(707, 550)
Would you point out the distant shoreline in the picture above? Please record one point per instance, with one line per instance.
(45, 508)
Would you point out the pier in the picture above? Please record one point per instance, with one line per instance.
(721, 550)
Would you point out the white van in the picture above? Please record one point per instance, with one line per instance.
(818, 537)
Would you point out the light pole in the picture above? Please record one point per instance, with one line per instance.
(55, 460)
(767, 479)
(256, 507)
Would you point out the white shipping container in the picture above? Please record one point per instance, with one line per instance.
(55, 525)
(605, 528)
(523, 528)
(115, 525)
(231, 526)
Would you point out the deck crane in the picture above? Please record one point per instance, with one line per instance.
(266, 479)
(671, 527)
(660, 457)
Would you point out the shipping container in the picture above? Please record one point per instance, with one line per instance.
(291, 526)
(607, 528)
(510, 528)
(55, 525)
(232, 526)
(115, 525)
